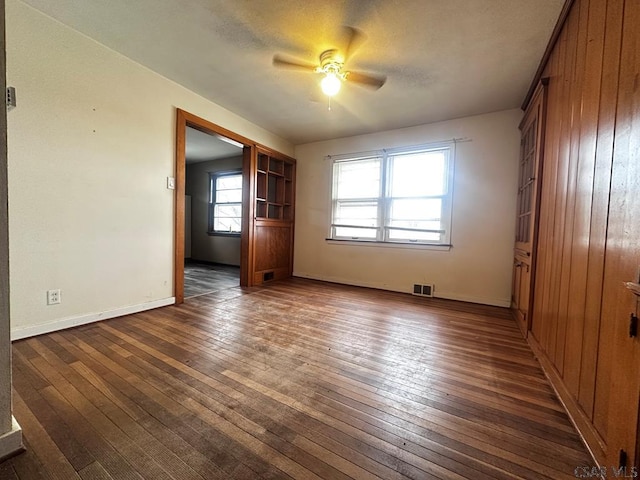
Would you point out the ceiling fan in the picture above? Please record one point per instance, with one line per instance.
(332, 64)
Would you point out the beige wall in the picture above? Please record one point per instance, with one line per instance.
(211, 248)
(478, 266)
(90, 146)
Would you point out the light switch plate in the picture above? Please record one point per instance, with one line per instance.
(171, 183)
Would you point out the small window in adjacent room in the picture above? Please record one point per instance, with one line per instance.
(225, 202)
(394, 196)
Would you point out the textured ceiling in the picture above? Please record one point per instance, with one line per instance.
(443, 59)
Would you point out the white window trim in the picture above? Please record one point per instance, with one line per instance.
(212, 203)
(447, 209)
(393, 244)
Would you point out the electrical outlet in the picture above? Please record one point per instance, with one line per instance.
(11, 98)
(425, 290)
(53, 297)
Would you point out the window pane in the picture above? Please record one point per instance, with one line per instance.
(355, 233)
(415, 210)
(399, 235)
(227, 196)
(418, 174)
(228, 189)
(227, 218)
(228, 211)
(400, 196)
(357, 178)
(231, 225)
(356, 213)
(228, 182)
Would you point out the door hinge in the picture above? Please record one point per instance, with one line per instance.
(622, 459)
(633, 325)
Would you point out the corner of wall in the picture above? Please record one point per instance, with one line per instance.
(11, 442)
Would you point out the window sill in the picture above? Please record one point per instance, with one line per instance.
(224, 234)
(372, 243)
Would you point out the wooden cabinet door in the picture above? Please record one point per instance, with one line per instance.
(521, 290)
(529, 171)
(515, 286)
(529, 184)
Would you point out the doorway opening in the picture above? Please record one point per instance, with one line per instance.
(211, 166)
(213, 212)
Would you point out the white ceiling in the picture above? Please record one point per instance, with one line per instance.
(443, 59)
(201, 147)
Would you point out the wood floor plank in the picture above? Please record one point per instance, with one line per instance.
(249, 405)
(501, 398)
(27, 465)
(165, 407)
(173, 343)
(69, 446)
(7, 472)
(262, 406)
(57, 465)
(201, 278)
(235, 425)
(95, 471)
(548, 427)
(295, 380)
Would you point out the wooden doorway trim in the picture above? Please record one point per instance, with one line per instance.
(183, 120)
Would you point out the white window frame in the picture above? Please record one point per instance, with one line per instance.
(384, 198)
(213, 176)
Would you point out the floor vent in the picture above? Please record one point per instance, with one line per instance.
(423, 290)
(267, 276)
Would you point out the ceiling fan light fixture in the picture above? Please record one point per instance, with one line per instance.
(330, 84)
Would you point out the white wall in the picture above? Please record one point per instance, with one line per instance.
(10, 432)
(210, 248)
(478, 266)
(90, 146)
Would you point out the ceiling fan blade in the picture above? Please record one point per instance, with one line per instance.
(279, 61)
(354, 39)
(366, 80)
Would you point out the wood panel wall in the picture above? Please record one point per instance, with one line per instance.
(577, 285)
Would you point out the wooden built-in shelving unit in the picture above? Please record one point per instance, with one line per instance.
(273, 216)
(274, 188)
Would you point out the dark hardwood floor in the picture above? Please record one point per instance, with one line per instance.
(298, 379)
(201, 278)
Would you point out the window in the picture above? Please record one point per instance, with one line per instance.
(225, 202)
(400, 195)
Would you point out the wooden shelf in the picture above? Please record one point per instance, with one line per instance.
(261, 209)
(263, 162)
(276, 166)
(274, 188)
(288, 171)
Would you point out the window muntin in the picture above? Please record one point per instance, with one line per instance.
(225, 202)
(399, 196)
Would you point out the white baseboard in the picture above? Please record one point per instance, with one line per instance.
(24, 332)
(11, 442)
(470, 299)
(384, 286)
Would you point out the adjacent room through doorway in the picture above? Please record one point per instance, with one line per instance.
(213, 213)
